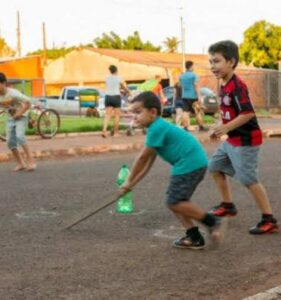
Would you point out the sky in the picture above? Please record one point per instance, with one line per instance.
(71, 23)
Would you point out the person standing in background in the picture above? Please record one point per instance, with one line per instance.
(113, 100)
(188, 81)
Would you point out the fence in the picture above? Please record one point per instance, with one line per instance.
(264, 87)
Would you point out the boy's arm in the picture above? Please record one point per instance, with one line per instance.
(140, 168)
(24, 107)
(237, 122)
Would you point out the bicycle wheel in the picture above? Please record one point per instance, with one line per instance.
(48, 123)
(3, 120)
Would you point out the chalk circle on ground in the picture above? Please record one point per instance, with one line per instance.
(37, 214)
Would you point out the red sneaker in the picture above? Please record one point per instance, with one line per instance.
(221, 211)
(265, 226)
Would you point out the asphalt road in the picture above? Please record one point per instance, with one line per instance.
(112, 256)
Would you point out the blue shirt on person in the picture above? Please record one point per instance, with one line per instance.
(187, 81)
(176, 146)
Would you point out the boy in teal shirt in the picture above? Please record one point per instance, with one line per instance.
(189, 164)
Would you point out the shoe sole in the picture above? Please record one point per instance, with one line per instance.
(273, 230)
(190, 247)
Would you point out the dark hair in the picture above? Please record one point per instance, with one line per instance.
(149, 100)
(112, 69)
(3, 78)
(227, 49)
(188, 64)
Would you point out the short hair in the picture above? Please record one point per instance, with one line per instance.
(112, 69)
(149, 100)
(3, 78)
(228, 49)
(188, 64)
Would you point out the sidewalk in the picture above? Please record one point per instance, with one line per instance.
(77, 144)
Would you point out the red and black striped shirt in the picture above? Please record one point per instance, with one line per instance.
(234, 100)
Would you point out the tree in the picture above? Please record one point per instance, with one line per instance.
(54, 52)
(5, 50)
(262, 45)
(171, 44)
(109, 41)
(134, 41)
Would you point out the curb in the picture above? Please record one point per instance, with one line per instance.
(78, 151)
(274, 293)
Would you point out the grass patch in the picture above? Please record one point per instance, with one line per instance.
(84, 124)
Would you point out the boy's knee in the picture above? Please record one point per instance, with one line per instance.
(21, 140)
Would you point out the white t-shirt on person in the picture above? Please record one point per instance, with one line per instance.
(17, 97)
(113, 83)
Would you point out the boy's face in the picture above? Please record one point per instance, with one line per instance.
(143, 116)
(222, 68)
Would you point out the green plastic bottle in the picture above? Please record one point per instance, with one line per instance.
(125, 203)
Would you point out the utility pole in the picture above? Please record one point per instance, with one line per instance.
(182, 41)
(44, 45)
(18, 35)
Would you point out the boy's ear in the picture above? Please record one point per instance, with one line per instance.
(232, 62)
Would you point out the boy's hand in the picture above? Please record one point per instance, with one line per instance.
(123, 190)
(17, 116)
(214, 137)
(220, 131)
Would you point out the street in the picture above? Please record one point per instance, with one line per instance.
(113, 256)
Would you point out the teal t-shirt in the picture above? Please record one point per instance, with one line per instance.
(176, 146)
(187, 81)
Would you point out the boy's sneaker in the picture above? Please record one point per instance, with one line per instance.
(187, 242)
(265, 226)
(222, 211)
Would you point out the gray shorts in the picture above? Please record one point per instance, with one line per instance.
(182, 187)
(238, 162)
(15, 130)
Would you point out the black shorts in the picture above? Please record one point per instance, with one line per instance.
(187, 105)
(182, 187)
(112, 101)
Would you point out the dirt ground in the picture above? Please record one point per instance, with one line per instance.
(113, 256)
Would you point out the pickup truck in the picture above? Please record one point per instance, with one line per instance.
(68, 103)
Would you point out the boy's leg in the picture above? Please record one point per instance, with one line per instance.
(260, 195)
(245, 163)
(21, 125)
(220, 166)
(182, 187)
(12, 144)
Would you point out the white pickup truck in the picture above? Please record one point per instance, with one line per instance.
(68, 102)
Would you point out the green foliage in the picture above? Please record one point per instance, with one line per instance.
(262, 45)
(134, 42)
(171, 44)
(53, 53)
(5, 50)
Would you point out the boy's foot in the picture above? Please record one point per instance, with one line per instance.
(265, 226)
(19, 168)
(104, 134)
(218, 230)
(222, 211)
(31, 167)
(187, 242)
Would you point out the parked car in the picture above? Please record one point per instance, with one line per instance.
(207, 97)
(68, 103)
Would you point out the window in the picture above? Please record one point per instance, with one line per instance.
(72, 95)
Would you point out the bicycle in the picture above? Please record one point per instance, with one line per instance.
(45, 121)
